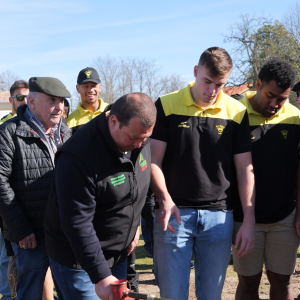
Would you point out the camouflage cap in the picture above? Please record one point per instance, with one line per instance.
(49, 86)
(296, 87)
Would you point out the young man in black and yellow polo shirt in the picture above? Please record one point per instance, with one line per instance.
(275, 135)
(200, 136)
(89, 88)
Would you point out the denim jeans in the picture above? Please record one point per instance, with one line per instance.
(4, 259)
(32, 266)
(76, 284)
(205, 233)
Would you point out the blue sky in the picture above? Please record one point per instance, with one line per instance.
(59, 38)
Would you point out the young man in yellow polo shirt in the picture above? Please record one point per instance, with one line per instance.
(275, 136)
(89, 88)
(201, 135)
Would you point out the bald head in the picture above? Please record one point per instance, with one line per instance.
(134, 105)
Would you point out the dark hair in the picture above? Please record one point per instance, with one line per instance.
(216, 60)
(134, 105)
(279, 71)
(19, 84)
(67, 107)
(237, 96)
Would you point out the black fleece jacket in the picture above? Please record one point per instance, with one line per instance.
(94, 208)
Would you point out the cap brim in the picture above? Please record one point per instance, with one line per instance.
(296, 87)
(90, 80)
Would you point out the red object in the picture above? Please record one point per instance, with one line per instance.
(119, 289)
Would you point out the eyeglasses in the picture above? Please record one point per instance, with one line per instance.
(19, 97)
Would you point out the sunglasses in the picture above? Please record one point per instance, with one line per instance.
(297, 93)
(20, 97)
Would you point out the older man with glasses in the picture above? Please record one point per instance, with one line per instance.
(18, 96)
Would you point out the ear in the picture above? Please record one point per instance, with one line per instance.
(10, 100)
(100, 88)
(31, 102)
(196, 70)
(258, 84)
(78, 88)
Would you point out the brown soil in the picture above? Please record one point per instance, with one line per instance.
(148, 285)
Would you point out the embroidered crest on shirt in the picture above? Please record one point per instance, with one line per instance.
(184, 125)
(220, 128)
(88, 74)
(143, 163)
(284, 133)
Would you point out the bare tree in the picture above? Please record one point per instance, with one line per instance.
(7, 78)
(120, 76)
(257, 40)
(291, 20)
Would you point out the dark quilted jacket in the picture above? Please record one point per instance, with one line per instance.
(26, 175)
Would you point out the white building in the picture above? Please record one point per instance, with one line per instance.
(5, 106)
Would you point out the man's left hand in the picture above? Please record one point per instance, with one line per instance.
(245, 237)
(135, 241)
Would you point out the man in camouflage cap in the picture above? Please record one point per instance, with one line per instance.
(28, 144)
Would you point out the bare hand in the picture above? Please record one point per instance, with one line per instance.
(28, 242)
(167, 208)
(297, 224)
(103, 288)
(135, 241)
(246, 235)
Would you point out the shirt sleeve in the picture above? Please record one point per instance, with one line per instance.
(242, 139)
(160, 131)
(76, 201)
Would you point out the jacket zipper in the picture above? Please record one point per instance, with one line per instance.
(133, 187)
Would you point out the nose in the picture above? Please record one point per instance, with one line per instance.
(212, 89)
(25, 100)
(138, 144)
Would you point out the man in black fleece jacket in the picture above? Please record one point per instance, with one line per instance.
(93, 213)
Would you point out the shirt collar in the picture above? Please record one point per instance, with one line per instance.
(188, 99)
(252, 111)
(83, 111)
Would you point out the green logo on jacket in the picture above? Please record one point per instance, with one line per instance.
(118, 180)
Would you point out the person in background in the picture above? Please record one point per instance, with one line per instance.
(296, 89)
(89, 88)
(18, 96)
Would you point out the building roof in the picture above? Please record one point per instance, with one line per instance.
(238, 89)
(4, 96)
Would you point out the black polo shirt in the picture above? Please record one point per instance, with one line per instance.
(198, 162)
(275, 154)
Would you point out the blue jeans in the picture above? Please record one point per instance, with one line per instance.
(32, 265)
(146, 235)
(4, 259)
(76, 284)
(205, 233)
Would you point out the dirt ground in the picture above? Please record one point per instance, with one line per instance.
(148, 286)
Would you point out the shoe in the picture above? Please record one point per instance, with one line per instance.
(192, 265)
